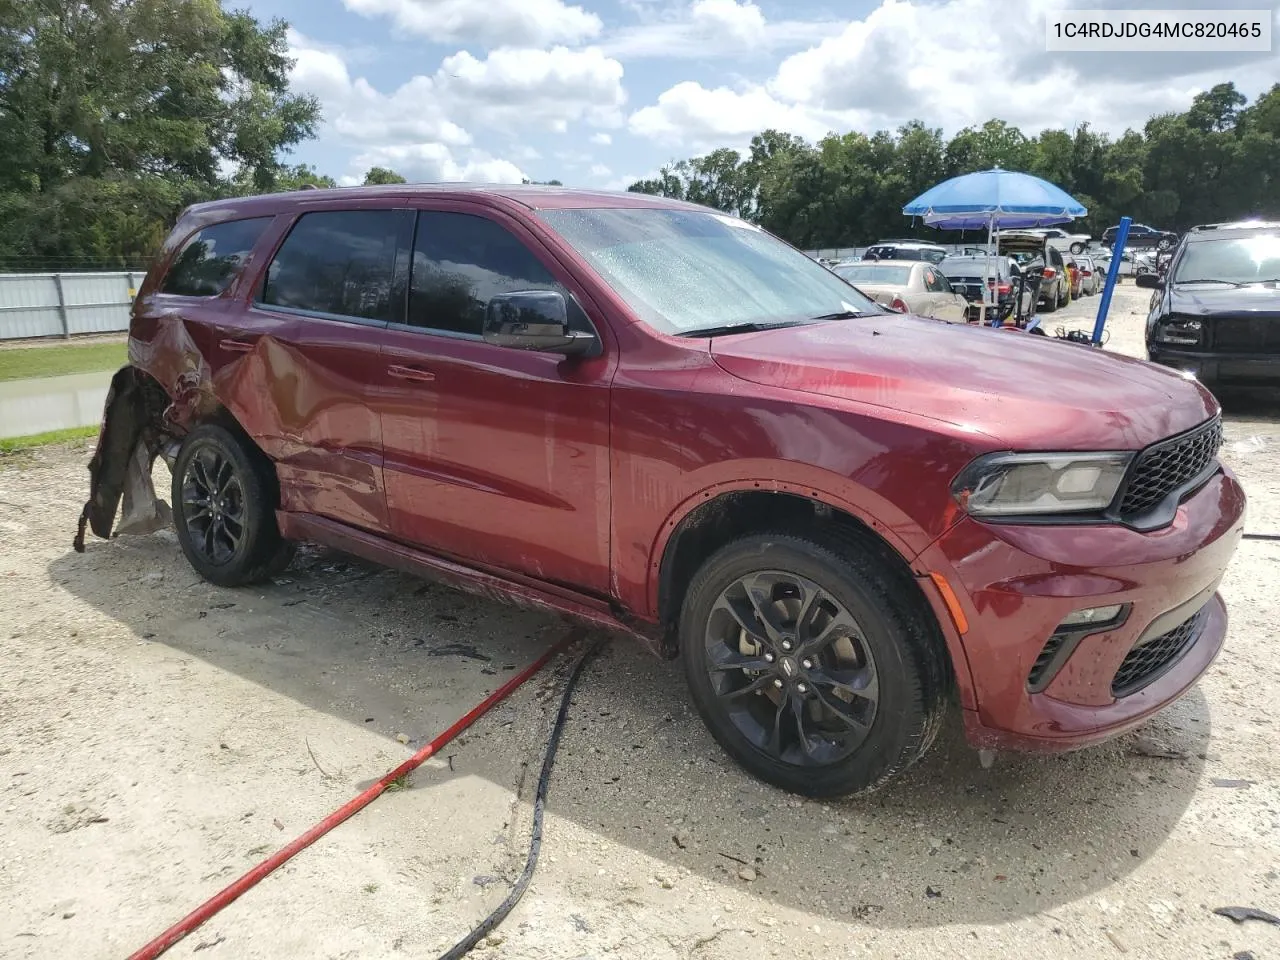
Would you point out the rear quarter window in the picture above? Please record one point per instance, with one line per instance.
(210, 260)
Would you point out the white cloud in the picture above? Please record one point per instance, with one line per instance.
(600, 170)
(897, 64)
(601, 139)
(494, 23)
(356, 111)
(711, 28)
(534, 88)
(911, 59)
(742, 22)
(689, 114)
(435, 162)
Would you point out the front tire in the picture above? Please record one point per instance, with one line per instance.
(224, 509)
(811, 664)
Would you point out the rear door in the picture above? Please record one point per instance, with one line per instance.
(495, 456)
(339, 278)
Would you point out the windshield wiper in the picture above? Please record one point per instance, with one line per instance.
(1230, 283)
(735, 328)
(839, 315)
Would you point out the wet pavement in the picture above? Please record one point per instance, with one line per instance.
(29, 407)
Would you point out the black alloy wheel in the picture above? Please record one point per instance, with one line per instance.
(224, 494)
(791, 666)
(213, 505)
(814, 660)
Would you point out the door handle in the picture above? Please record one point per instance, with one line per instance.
(236, 346)
(416, 374)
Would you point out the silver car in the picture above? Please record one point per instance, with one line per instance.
(908, 286)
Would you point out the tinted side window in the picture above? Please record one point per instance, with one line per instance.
(935, 282)
(459, 262)
(1055, 258)
(209, 261)
(339, 262)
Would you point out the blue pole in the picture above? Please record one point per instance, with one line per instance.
(1113, 277)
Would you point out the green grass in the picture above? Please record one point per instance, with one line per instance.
(25, 363)
(18, 444)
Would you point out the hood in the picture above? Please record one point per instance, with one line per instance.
(1026, 392)
(1215, 298)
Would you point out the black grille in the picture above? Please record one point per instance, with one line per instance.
(1164, 468)
(1244, 335)
(1038, 668)
(1149, 659)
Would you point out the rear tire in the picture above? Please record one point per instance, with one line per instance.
(224, 509)
(831, 681)
(1066, 296)
(1077, 248)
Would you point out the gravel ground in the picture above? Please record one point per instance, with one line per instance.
(158, 736)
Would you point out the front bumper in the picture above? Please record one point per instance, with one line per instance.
(1017, 583)
(1239, 368)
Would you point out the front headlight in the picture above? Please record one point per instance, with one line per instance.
(1184, 332)
(1028, 484)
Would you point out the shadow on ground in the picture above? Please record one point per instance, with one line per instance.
(947, 843)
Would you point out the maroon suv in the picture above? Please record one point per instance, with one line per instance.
(663, 420)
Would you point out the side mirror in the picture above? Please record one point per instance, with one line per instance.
(534, 320)
(1148, 280)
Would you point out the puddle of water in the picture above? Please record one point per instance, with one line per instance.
(52, 403)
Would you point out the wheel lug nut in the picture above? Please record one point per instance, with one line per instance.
(786, 644)
(807, 664)
(801, 688)
(778, 684)
(768, 658)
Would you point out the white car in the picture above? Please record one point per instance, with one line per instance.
(1063, 241)
(1091, 275)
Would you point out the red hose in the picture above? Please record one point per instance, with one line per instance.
(353, 806)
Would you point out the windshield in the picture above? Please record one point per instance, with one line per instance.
(874, 273)
(682, 270)
(1237, 260)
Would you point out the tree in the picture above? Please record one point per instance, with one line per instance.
(381, 175)
(112, 110)
(170, 87)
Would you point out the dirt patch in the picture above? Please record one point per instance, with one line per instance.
(158, 736)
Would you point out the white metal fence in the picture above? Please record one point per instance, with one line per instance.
(65, 304)
(847, 253)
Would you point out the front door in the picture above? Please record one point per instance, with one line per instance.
(335, 277)
(495, 456)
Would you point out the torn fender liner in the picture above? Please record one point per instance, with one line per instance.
(121, 466)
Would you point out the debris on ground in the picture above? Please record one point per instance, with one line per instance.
(1241, 914)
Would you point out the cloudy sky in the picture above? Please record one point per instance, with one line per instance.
(602, 92)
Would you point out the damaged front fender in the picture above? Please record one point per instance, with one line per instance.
(131, 438)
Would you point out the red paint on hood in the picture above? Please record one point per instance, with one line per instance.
(1028, 392)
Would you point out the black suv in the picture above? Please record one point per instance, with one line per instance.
(1140, 235)
(1216, 312)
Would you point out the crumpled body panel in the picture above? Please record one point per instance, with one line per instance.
(128, 443)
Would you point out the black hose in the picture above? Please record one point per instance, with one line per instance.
(491, 922)
(1262, 536)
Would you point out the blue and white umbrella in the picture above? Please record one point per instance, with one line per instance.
(995, 199)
